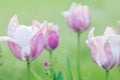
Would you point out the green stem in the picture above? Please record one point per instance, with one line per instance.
(78, 57)
(119, 71)
(51, 66)
(28, 68)
(107, 74)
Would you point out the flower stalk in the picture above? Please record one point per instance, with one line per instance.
(107, 74)
(119, 71)
(28, 69)
(78, 57)
(51, 66)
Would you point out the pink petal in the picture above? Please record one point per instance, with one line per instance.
(109, 56)
(15, 48)
(52, 40)
(13, 24)
(37, 45)
(100, 53)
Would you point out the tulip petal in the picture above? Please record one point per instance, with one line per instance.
(5, 38)
(36, 24)
(114, 42)
(23, 35)
(87, 17)
(66, 14)
(52, 40)
(109, 31)
(12, 26)
(97, 51)
(37, 45)
(109, 56)
(91, 34)
(15, 48)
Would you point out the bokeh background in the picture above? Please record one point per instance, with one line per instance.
(104, 13)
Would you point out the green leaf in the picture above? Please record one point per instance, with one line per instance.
(54, 77)
(60, 76)
(70, 77)
(37, 77)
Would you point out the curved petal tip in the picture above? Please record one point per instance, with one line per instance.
(13, 24)
(91, 33)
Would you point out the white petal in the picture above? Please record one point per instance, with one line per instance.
(91, 33)
(86, 13)
(109, 31)
(65, 14)
(36, 24)
(13, 25)
(26, 56)
(5, 38)
(114, 42)
(23, 35)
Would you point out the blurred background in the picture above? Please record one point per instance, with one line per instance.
(104, 13)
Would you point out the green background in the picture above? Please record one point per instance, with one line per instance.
(104, 13)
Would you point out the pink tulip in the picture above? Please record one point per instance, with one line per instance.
(52, 36)
(105, 50)
(78, 17)
(25, 42)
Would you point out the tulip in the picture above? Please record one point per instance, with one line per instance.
(52, 36)
(78, 17)
(105, 50)
(51, 42)
(25, 42)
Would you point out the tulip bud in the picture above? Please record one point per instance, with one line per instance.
(46, 64)
(78, 17)
(52, 36)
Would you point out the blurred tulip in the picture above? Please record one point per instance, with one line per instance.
(52, 36)
(25, 42)
(78, 17)
(51, 42)
(105, 50)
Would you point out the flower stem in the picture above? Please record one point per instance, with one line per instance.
(119, 71)
(51, 66)
(78, 57)
(107, 73)
(28, 69)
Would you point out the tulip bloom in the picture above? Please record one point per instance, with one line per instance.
(25, 42)
(105, 50)
(52, 36)
(78, 17)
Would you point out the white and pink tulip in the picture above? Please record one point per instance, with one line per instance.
(105, 49)
(78, 17)
(25, 42)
